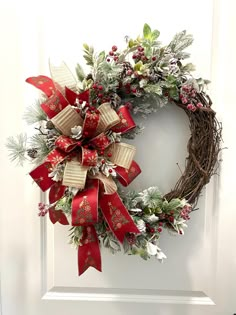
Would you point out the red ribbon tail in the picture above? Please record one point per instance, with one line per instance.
(117, 216)
(56, 192)
(40, 176)
(43, 83)
(57, 216)
(89, 252)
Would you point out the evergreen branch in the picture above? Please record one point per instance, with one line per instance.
(76, 235)
(38, 142)
(180, 42)
(34, 113)
(18, 148)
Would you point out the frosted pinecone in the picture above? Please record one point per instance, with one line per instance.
(154, 77)
(126, 67)
(51, 138)
(115, 100)
(114, 136)
(32, 153)
(50, 125)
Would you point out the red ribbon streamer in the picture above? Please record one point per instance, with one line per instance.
(85, 205)
(57, 216)
(89, 252)
(117, 216)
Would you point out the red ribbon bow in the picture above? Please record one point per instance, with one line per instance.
(86, 202)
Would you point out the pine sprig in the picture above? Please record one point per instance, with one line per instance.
(38, 142)
(34, 113)
(76, 235)
(18, 148)
(180, 41)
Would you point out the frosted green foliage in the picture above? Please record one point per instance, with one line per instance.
(180, 41)
(17, 147)
(38, 141)
(34, 113)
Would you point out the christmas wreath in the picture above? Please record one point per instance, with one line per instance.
(81, 156)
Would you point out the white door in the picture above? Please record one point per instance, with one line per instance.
(38, 267)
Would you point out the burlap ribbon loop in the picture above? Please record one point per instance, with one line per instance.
(62, 76)
(122, 154)
(67, 119)
(75, 174)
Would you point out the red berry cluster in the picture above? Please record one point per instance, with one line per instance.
(139, 54)
(185, 212)
(150, 229)
(100, 96)
(113, 54)
(130, 88)
(131, 238)
(167, 216)
(43, 209)
(188, 98)
(107, 156)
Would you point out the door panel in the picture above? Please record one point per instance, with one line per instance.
(38, 267)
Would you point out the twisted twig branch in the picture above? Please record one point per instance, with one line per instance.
(203, 151)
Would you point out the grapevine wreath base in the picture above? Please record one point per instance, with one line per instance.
(82, 158)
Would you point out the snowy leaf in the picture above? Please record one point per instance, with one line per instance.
(160, 255)
(147, 31)
(151, 249)
(80, 72)
(155, 34)
(115, 245)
